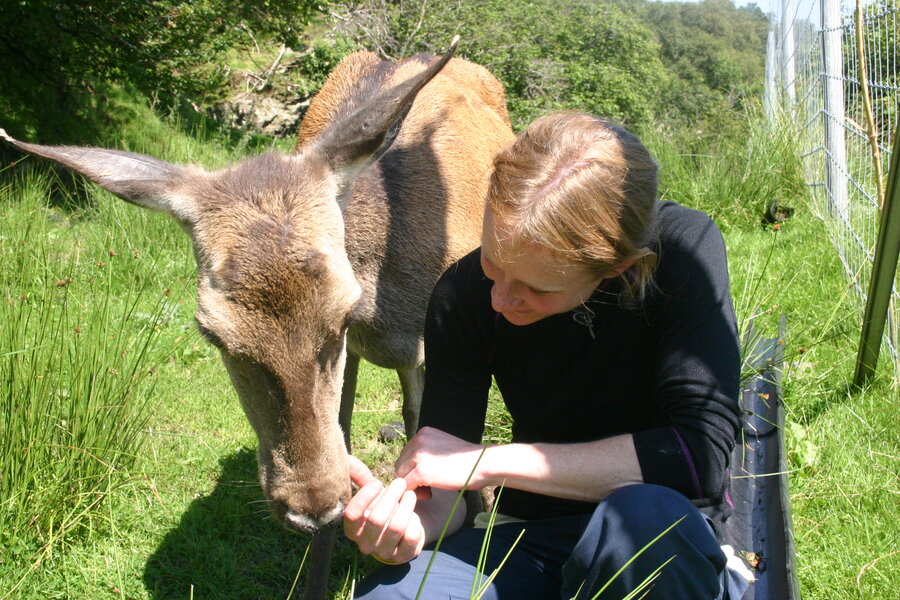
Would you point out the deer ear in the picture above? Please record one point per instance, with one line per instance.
(138, 179)
(355, 142)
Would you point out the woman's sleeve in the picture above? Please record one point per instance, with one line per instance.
(458, 332)
(697, 366)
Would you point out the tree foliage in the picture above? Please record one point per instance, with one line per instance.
(642, 63)
(632, 60)
(715, 53)
(574, 54)
(54, 51)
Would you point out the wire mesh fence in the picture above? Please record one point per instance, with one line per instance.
(817, 58)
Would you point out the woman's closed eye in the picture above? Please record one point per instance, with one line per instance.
(538, 292)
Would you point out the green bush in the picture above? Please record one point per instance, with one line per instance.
(56, 54)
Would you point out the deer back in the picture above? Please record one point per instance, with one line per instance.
(419, 207)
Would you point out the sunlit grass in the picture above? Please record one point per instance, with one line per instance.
(843, 457)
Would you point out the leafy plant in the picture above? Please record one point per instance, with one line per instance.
(548, 55)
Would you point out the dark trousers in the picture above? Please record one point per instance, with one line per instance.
(575, 557)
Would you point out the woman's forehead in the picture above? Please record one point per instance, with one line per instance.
(501, 234)
(501, 241)
(505, 243)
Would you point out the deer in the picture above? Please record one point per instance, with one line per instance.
(311, 261)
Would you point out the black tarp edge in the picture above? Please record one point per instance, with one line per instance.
(761, 528)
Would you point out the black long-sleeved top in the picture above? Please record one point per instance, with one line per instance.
(667, 372)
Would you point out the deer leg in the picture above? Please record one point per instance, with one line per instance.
(348, 395)
(322, 544)
(412, 383)
(320, 548)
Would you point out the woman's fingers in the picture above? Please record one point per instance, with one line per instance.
(423, 492)
(393, 532)
(410, 546)
(381, 512)
(357, 509)
(382, 521)
(359, 472)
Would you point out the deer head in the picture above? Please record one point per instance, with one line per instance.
(276, 290)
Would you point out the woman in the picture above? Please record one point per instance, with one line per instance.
(604, 316)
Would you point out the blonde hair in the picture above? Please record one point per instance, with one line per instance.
(585, 189)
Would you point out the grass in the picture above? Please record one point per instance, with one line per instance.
(179, 514)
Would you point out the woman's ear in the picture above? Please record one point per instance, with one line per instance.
(621, 268)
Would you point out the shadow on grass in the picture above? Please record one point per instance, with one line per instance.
(228, 546)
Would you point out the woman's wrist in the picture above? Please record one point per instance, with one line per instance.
(503, 464)
(488, 469)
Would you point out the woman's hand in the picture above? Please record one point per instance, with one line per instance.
(381, 519)
(434, 458)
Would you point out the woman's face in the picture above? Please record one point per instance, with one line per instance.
(530, 282)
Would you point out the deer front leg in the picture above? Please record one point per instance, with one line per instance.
(320, 548)
(412, 383)
(348, 396)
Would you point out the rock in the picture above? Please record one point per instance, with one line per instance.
(269, 115)
(392, 431)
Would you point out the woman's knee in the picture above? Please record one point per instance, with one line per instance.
(386, 583)
(444, 577)
(646, 511)
(645, 525)
(645, 501)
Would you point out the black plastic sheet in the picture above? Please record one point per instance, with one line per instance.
(760, 529)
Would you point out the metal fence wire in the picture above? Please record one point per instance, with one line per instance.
(814, 79)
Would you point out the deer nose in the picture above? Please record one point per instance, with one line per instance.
(311, 524)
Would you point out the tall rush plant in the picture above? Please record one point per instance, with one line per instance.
(75, 354)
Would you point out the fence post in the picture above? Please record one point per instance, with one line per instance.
(833, 80)
(787, 54)
(884, 269)
(770, 100)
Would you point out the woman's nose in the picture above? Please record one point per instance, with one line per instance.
(503, 298)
